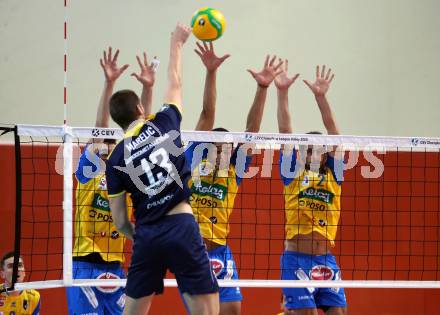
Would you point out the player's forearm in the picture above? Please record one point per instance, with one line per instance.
(255, 115)
(127, 229)
(147, 99)
(103, 112)
(207, 116)
(327, 115)
(174, 90)
(283, 114)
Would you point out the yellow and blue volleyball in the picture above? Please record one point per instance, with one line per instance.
(208, 24)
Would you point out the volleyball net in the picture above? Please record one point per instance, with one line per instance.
(387, 234)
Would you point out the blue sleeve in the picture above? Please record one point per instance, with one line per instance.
(247, 162)
(115, 185)
(170, 115)
(88, 166)
(336, 167)
(201, 152)
(287, 167)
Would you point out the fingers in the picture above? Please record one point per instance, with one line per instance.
(280, 63)
(139, 62)
(323, 71)
(211, 46)
(317, 72)
(102, 63)
(124, 67)
(331, 79)
(225, 57)
(115, 58)
(202, 50)
(272, 60)
(253, 73)
(109, 54)
(308, 84)
(198, 53)
(295, 77)
(145, 59)
(135, 75)
(205, 46)
(266, 63)
(279, 72)
(105, 57)
(286, 64)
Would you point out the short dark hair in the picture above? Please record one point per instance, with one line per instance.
(7, 256)
(314, 133)
(123, 107)
(220, 129)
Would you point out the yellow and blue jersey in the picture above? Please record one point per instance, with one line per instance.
(149, 163)
(26, 303)
(93, 227)
(213, 194)
(312, 199)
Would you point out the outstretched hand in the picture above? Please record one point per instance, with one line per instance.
(266, 76)
(208, 56)
(282, 81)
(109, 64)
(147, 75)
(322, 82)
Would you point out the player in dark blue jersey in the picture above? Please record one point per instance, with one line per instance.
(149, 163)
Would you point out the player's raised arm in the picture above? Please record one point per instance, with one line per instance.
(212, 62)
(283, 83)
(173, 92)
(319, 89)
(264, 78)
(146, 77)
(111, 72)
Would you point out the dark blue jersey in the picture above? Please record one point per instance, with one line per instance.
(150, 164)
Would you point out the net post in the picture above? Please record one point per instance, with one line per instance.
(67, 206)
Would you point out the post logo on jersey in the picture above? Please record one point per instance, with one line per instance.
(217, 266)
(212, 190)
(107, 289)
(317, 194)
(100, 203)
(321, 272)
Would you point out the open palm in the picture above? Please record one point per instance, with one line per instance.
(322, 82)
(208, 56)
(265, 77)
(110, 66)
(147, 76)
(282, 81)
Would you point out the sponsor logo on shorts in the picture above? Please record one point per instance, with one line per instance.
(107, 289)
(321, 272)
(213, 220)
(217, 266)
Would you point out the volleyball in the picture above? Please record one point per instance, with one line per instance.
(208, 24)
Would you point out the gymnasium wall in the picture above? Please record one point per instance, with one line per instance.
(389, 230)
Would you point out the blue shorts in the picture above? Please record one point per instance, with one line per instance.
(96, 300)
(173, 243)
(298, 266)
(223, 266)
